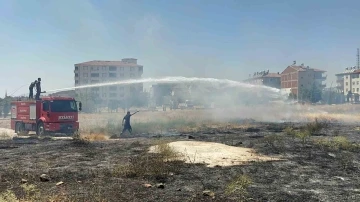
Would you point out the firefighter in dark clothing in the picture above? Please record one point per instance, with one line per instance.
(38, 89)
(127, 125)
(31, 89)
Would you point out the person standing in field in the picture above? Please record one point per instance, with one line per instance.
(127, 125)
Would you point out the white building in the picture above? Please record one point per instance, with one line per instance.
(99, 71)
(349, 81)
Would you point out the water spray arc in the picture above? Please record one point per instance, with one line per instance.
(224, 82)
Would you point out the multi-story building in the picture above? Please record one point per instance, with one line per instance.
(348, 81)
(297, 77)
(265, 78)
(99, 71)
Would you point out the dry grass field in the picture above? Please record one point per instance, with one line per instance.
(268, 153)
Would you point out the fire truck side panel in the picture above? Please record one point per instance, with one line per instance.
(25, 112)
(32, 113)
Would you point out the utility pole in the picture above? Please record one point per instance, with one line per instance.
(358, 59)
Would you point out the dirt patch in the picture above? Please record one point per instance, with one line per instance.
(6, 133)
(216, 154)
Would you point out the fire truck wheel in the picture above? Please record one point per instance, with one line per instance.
(40, 131)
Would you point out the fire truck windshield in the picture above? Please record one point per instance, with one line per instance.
(63, 106)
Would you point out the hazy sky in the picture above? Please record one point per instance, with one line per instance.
(203, 38)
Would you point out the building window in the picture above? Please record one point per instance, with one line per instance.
(121, 88)
(132, 75)
(104, 74)
(353, 90)
(95, 68)
(112, 95)
(76, 75)
(85, 74)
(357, 83)
(76, 68)
(104, 68)
(353, 82)
(346, 84)
(76, 81)
(94, 81)
(346, 77)
(121, 75)
(122, 68)
(95, 75)
(85, 68)
(112, 87)
(104, 94)
(112, 68)
(112, 75)
(140, 69)
(131, 68)
(357, 90)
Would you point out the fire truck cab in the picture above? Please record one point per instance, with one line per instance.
(45, 116)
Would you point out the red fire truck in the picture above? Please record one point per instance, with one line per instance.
(45, 116)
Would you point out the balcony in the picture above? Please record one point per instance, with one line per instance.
(320, 77)
(339, 80)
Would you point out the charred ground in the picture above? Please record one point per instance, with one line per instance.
(320, 164)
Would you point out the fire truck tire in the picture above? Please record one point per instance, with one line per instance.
(40, 130)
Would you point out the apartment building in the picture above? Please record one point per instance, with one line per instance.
(297, 77)
(348, 81)
(265, 78)
(100, 71)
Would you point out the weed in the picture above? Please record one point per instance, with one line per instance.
(316, 126)
(276, 142)
(158, 164)
(289, 131)
(337, 143)
(8, 196)
(341, 142)
(31, 192)
(304, 136)
(239, 187)
(94, 137)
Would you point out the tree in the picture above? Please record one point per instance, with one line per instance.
(6, 106)
(313, 94)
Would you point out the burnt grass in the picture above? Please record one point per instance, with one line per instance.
(88, 169)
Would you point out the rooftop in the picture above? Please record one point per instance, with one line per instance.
(110, 63)
(266, 75)
(349, 70)
(303, 68)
